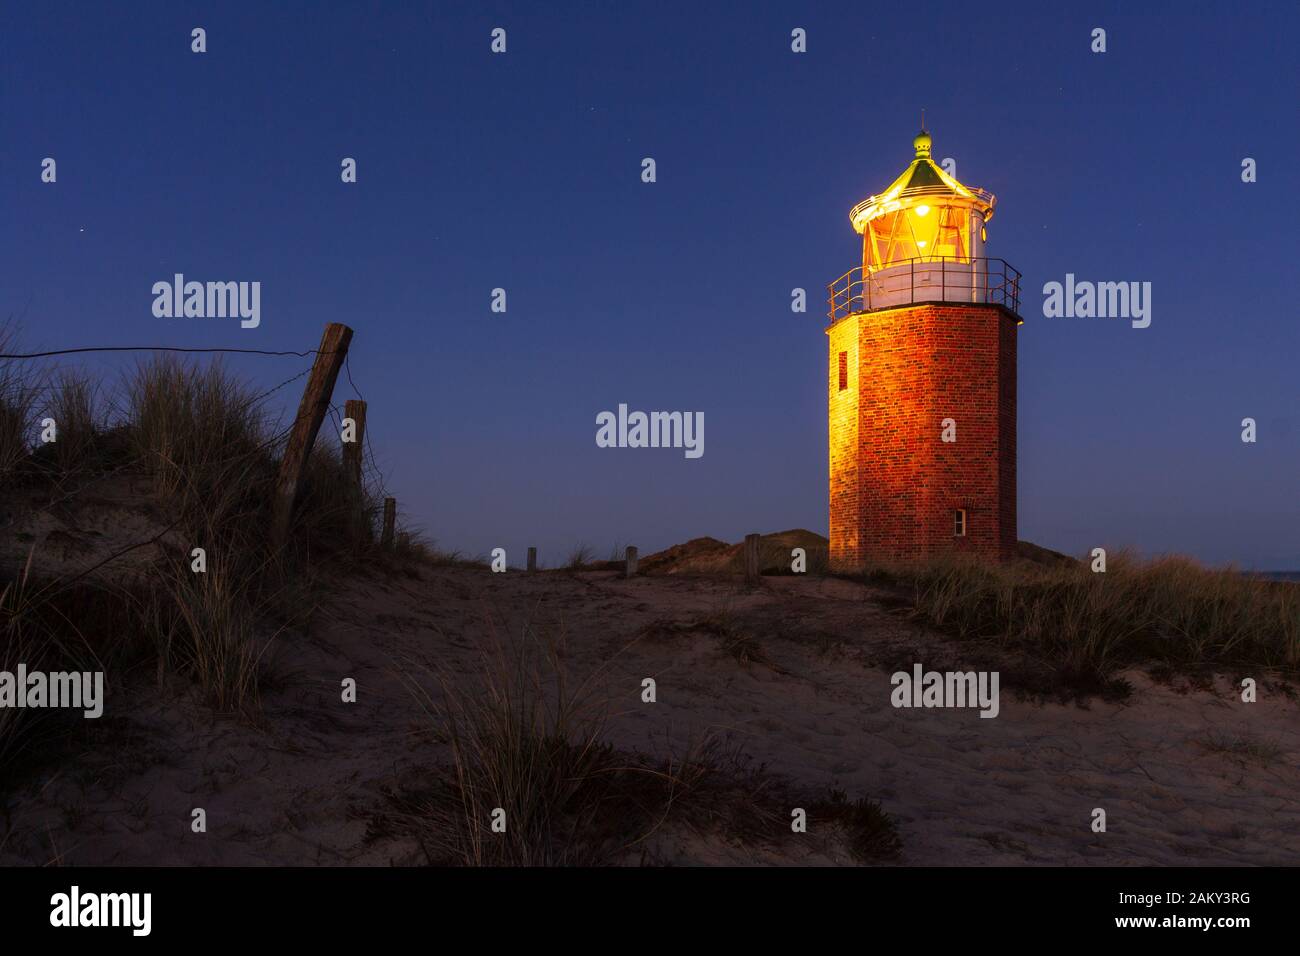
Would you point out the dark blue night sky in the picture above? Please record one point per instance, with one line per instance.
(522, 171)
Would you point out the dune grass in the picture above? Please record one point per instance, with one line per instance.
(193, 427)
(1170, 611)
(214, 634)
(201, 438)
(20, 389)
(534, 779)
(80, 421)
(421, 550)
(580, 556)
(526, 749)
(19, 644)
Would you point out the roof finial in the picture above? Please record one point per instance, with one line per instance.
(922, 141)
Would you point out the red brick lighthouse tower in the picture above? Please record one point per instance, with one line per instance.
(922, 367)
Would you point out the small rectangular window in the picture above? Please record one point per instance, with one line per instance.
(959, 523)
(844, 370)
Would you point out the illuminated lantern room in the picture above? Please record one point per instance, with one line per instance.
(924, 214)
(923, 240)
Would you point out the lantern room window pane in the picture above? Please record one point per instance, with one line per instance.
(896, 237)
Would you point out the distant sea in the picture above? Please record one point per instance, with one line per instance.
(1275, 575)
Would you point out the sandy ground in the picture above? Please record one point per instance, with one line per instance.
(83, 528)
(1186, 776)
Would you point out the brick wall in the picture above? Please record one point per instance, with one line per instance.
(845, 491)
(894, 484)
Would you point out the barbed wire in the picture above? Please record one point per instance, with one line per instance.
(347, 367)
(368, 466)
(374, 467)
(272, 391)
(154, 348)
(370, 449)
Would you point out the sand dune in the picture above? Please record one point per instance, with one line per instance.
(1186, 776)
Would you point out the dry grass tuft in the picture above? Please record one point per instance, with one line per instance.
(208, 629)
(1171, 611)
(526, 753)
(193, 427)
(73, 406)
(530, 751)
(19, 644)
(19, 392)
(1243, 747)
(869, 831)
(579, 557)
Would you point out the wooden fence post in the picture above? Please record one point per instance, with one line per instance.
(630, 571)
(390, 521)
(532, 559)
(311, 412)
(353, 459)
(751, 558)
(355, 409)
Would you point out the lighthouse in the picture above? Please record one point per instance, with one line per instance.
(922, 374)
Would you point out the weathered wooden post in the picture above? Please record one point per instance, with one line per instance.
(630, 571)
(354, 409)
(532, 559)
(311, 412)
(751, 558)
(390, 522)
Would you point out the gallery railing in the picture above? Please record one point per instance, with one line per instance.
(925, 279)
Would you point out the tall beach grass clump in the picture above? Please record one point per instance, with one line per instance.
(201, 437)
(526, 747)
(1170, 610)
(194, 428)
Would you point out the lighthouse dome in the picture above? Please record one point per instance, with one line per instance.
(923, 214)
